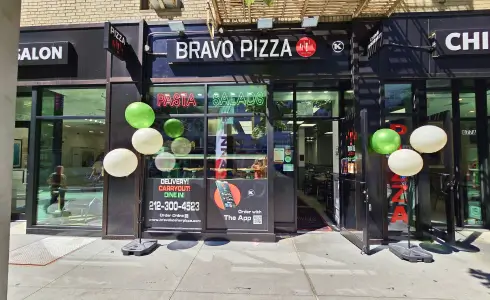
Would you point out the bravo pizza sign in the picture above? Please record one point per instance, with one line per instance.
(245, 49)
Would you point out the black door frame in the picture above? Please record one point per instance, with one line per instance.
(340, 89)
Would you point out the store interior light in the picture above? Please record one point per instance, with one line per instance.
(265, 23)
(177, 26)
(309, 22)
(307, 125)
(297, 122)
(329, 132)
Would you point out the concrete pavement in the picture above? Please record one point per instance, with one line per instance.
(307, 267)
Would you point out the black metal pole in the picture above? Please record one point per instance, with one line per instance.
(140, 200)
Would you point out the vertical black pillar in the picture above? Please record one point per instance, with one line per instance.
(422, 197)
(57, 133)
(483, 147)
(366, 86)
(453, 149)
(33, 159)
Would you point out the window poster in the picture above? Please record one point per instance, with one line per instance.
(239, 204)
(173, 203)
(278, 155)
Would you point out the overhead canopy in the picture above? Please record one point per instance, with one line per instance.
(236, 12)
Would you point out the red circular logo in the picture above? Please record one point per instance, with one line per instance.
(306, 47)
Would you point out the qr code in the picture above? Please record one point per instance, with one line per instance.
(257, 220)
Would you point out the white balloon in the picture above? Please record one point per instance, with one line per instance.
(405, 162)
(120, 162)
(181, 146)
(147, 141)
(165, 161)
(428, 139)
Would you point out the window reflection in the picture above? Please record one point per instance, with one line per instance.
(183, 139)
(237, 148)
(398, 98)
(70, 172)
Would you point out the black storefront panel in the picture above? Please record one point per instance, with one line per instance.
(82, 54)
(283, 54)
(443, 45)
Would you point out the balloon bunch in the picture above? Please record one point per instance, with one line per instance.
(407, 162)
(122, 162)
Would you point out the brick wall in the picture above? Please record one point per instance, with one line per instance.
(51, 12)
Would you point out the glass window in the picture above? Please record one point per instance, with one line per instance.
(184, 139)
(225, 99)
(234, 150)
(74, 102)
(317, 103)
(180, 99)
(470, 174)
(23, 104)
(398, 98)
(284, 103)
(71, 151)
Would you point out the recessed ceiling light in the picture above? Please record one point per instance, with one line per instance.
(325, 92)
(200, 95)
(471, 111)
(67, 126)
(307, 125)
(101, 132)
(330, 132)
(50, 124)
(91, 131)
(309, 92)
(460, 99)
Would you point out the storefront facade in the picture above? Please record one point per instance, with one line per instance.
(258, 109)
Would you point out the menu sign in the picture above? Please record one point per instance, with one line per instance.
(173, 203)
(238, 204)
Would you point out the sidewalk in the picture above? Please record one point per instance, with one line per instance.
(307, 267)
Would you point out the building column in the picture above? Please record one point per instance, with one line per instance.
(9, 31)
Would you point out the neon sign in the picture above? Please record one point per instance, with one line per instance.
(232, 99)
(176, 100)
(398, 186)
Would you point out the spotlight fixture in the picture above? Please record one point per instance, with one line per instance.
(177, 26)
(309, 22)
(265, 23)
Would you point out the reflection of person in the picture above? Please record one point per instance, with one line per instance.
(57, 186)
(97, 168)
(259, 167)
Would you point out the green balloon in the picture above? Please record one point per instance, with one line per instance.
(385, 141)
(173, 128)
(139, 115)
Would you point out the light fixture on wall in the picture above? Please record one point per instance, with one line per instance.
(177, 26)
(265, 23)
(309, 22)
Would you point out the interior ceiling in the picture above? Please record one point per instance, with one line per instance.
(236, 12)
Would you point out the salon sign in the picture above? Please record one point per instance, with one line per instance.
(51, 53)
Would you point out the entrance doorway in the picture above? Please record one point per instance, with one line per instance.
(306, 158)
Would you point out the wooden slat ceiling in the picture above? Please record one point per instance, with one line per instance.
(235, 12)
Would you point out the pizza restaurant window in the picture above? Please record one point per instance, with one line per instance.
(177, 99)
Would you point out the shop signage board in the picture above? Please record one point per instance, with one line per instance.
(51, 53)
(114, 41)
(174, 203)
(462, 42)
(238, 204)
(249, 49)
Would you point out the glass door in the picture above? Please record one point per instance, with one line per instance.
(19, 167)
